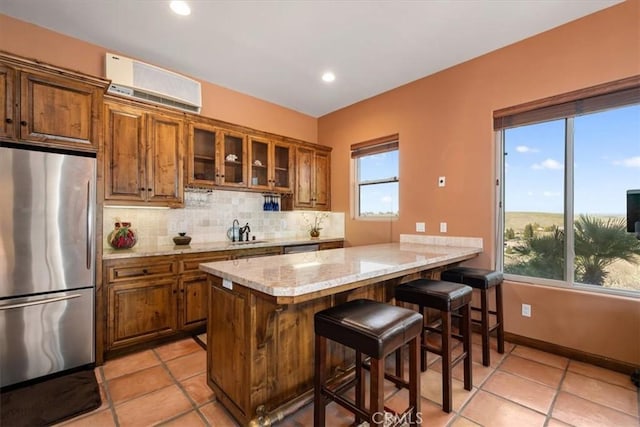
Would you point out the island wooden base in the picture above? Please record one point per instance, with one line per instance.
(260, 354)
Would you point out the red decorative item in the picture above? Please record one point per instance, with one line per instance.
(122, 236)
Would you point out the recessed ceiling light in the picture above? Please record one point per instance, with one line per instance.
(328, 77)
(180, 7)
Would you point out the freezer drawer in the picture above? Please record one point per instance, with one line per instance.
(44, 334)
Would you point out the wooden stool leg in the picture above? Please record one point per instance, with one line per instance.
(446, 361)
(319, 401)
(484, 320)
(399, 364)
(376, 404)
(414, 381)
(423, 341)
(360, 385)
(466, 344)
(499, 318)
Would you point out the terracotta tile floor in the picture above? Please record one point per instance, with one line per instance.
(524, 387)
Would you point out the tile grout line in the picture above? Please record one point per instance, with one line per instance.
(194, 405)
(107, 392)
(479, 387)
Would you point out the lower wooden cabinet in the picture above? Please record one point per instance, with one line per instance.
(141, 311)
(148, 298)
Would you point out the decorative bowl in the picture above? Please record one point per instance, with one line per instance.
(182, 239)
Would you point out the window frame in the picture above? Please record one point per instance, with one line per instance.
(611, 95)
(372, 147)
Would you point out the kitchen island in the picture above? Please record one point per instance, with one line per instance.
(260, 351)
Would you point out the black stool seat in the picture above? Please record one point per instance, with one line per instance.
(483, 280)
(438, 294)
(446, 297)
(475, 277)
(374, 329)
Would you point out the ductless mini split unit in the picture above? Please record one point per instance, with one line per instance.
(135, 79)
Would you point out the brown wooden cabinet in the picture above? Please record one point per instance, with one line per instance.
(312, 184)
(216, 156)
(271, 165)
(48, 106)
(7, 112)
(193, 302)
(143, 156)
(142, 295)
(148, 298)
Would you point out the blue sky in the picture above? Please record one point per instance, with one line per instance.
(381, 197)
(607, 163)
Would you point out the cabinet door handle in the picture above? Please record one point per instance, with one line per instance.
(141, 188)
(145, 271)
(23, 123)
(8, 120)
(149, 189)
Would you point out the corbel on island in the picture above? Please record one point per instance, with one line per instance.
(260, 347)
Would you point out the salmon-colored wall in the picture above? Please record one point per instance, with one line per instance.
(445, 127)
(31, 41)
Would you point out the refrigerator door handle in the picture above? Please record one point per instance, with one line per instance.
(42, 301)
(89, 228)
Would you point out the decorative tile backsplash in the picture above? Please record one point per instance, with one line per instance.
(208, 215)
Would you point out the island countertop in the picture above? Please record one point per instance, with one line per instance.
(298, 277)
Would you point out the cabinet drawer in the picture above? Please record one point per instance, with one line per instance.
(120, 272)
(331, 245)
(192, 263)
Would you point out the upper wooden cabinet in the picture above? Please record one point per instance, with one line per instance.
(7, 76)
(271, 165)
(312, 186)
(48, 106)
(143, 156)
(215, 156)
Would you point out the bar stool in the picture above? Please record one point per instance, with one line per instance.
(375, 329)
(483, 280)
(446, 297)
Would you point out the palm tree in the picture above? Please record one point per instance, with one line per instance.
(598, 244)
(542, 256)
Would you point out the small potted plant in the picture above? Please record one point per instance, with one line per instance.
(315, 225)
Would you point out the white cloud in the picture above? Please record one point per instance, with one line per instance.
(530, 193)
(526, 149)
(551, 193)
(548, 164)
(631, 162)
(386, 199)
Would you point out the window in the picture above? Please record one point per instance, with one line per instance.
(375, 165)
(566, 170)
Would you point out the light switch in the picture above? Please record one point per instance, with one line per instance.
(420, 227)
(441, 181)
(443, 227)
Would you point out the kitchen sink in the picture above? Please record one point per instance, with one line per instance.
(250, 242)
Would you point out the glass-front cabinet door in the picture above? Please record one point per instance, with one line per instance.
(259, 160)
(282, 167)
(233, 155)
(201, 161)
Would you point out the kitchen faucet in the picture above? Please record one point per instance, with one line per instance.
(233, 230)
(243, 230)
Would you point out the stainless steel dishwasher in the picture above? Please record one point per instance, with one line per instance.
(294, 249)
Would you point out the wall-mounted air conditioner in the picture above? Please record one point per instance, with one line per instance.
(149, 83)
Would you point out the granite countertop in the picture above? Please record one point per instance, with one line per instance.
(156, 250)
(299, 274)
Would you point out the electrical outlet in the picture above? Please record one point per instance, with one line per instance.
(283, 224)
(526, 310)
(443, 227)
(420, 227)
(441, 181)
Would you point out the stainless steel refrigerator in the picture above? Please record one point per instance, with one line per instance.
(47, 262)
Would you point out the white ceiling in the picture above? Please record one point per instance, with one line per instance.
(277, 50)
